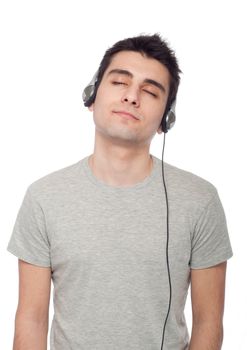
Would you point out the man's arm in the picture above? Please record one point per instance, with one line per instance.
(207, 298)
(32, 315)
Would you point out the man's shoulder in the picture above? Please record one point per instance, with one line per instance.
(55, 181)
(188, 184)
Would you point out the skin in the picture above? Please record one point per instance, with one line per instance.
(207, 299)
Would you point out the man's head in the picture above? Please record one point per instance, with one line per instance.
(152, 46)
(139, 75)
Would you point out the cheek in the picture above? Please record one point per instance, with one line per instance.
(103, 99)
(102, 109)
(155, 113)
(161, 112)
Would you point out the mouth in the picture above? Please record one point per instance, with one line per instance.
(126, 115)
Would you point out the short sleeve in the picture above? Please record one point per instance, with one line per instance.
(210, 241)
(29, 240)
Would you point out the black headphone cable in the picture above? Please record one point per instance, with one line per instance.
(167, 245)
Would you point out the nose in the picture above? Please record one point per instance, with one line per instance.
(131, 96)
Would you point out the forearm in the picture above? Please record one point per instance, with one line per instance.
(206, 336)
(30, 334)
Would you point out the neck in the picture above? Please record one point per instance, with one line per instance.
(118, 165)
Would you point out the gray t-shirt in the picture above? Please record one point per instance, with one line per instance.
(106, 246)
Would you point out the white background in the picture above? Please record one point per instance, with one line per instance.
(49, 52)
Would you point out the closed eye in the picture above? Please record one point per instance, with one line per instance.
(118, 83)
(151, 93)
(121, 83)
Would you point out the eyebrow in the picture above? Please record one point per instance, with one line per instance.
(129, 74)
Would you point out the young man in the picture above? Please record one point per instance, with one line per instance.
(99, 228)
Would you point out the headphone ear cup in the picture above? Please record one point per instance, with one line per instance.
(169, 118)
(89, 90)
(87, 93)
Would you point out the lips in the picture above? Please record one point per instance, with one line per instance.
(126, 114)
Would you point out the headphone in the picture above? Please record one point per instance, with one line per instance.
(168, 121)
(88, 97)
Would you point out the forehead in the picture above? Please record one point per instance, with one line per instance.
(140, 66)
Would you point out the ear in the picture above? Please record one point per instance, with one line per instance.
(91, 107)
(159, 131)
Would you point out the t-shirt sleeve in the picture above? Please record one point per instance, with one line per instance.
(210, 240)
(29, 240)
